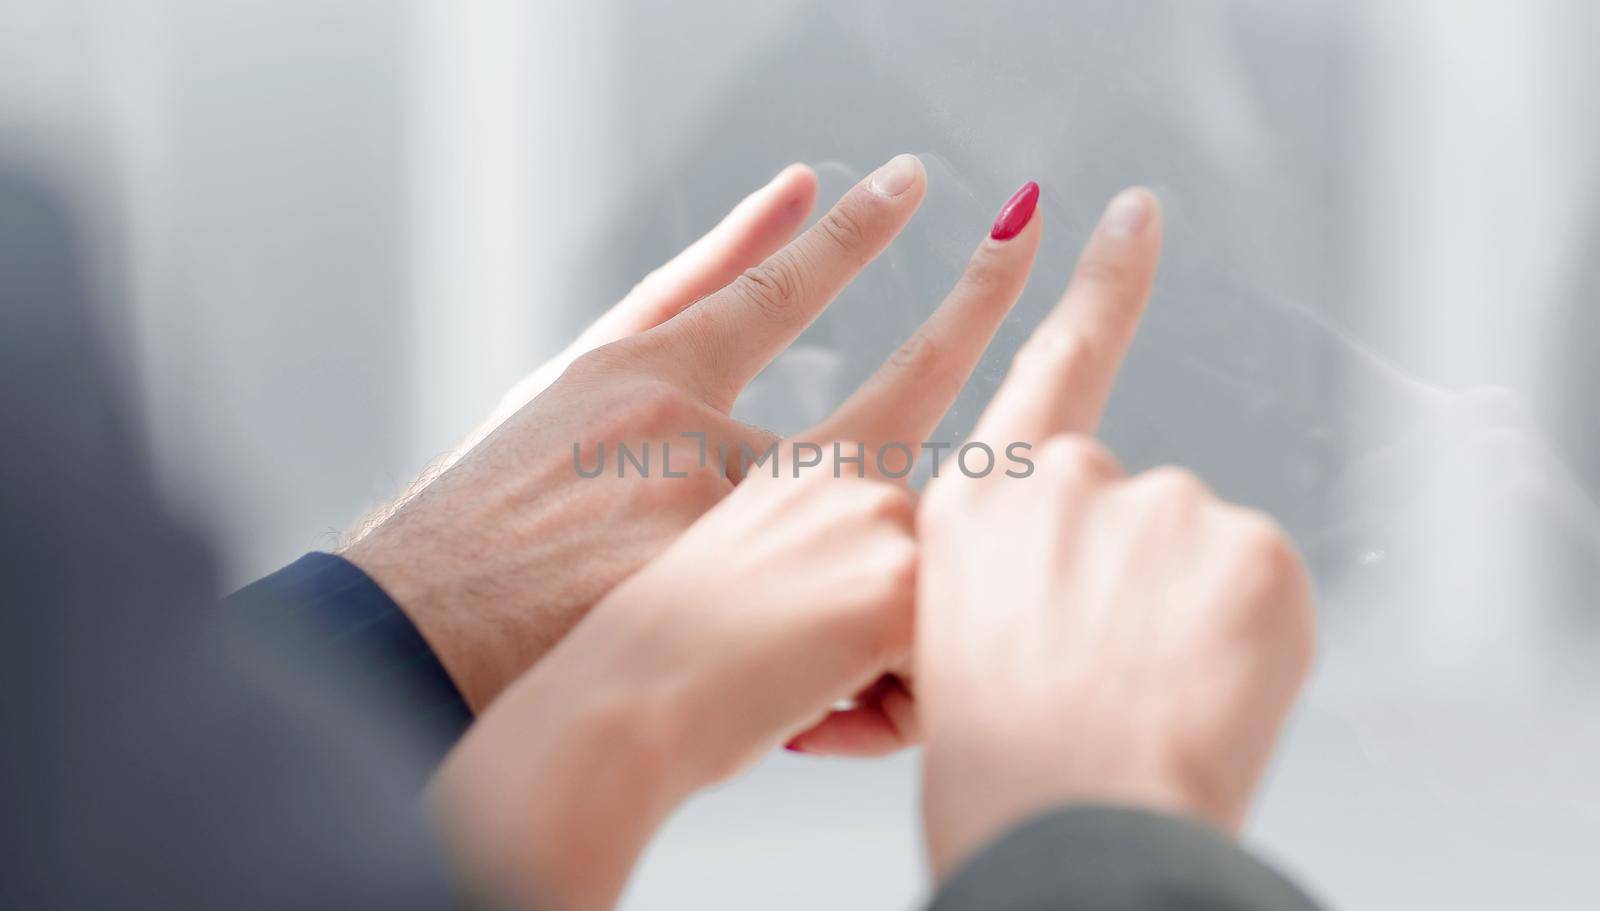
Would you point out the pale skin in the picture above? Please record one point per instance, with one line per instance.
(787, 596)
(1148, 638)
(497, 556)
(1078, 636)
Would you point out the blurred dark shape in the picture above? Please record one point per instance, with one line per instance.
(152, 761)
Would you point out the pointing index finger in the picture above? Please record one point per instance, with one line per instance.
(1060, 379)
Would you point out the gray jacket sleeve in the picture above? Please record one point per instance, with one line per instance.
(1101, 858)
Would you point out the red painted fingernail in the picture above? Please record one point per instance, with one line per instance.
(793, 746)
(1016, 213)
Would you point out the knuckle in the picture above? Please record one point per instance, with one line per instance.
(593, 364)
(1079, 360)
(1104, 271)
(685, 496)
(647, 408)
(918, 354)
(1171, 482)
(655, 494)
(1168, 504)
(1076, 456)
(774, 286)
(1274, 580)
(984, 273)
(1262, 542)
(1071, 354)
(703, 477)
(844, 228)
(889, 503)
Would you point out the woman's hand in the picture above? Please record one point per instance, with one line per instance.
(498, 557)
(789, 595)
(1086, 637)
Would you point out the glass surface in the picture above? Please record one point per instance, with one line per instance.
(1375, 318)
(1370, 322)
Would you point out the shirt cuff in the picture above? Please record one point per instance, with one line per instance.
(323, 613)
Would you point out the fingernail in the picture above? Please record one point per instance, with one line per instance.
(1016, 213)
(1127, 214)
(792, 746)
(895, 176)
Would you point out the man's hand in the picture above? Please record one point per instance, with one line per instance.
(497, 558)
(1082, 637)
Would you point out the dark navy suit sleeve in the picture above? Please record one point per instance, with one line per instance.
(326, 617)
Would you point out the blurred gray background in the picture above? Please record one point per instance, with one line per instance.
(338, 230)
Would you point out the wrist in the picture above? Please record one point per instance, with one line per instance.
(559, 787)
(660, 695)
(979, 782)
(406, 561)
